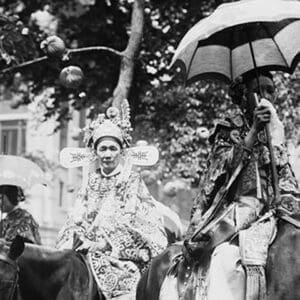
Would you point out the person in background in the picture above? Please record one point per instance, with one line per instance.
(18, 221)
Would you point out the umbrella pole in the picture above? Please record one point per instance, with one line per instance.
(274, 174)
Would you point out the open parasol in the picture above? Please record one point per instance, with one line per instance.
(239, 37)
(19, 171)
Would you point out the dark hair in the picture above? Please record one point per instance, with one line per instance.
(252, 75)
(110, 137)
(237, 88)
(13, 192)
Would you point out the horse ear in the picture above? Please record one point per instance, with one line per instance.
(16, 248)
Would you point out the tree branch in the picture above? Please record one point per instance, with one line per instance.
(127, 63)
(24, 64)
(69, 51)
(96, 48)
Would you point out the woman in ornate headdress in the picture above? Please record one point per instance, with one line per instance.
(18, 221)
(115, 215)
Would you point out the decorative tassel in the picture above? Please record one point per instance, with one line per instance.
(256, 283)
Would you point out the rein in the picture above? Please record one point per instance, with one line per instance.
(13, 263)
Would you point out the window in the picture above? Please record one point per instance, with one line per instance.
(13, 137)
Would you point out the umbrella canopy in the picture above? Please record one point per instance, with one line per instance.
(239, 37)
(15, 170)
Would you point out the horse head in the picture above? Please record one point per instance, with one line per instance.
(9, 270)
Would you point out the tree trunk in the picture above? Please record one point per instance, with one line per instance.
(129, 54)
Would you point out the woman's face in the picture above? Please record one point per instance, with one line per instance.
(5, 205)
(109, 154)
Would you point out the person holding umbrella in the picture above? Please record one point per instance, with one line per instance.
(18, 221)
(241, 241)
(249, 184)
(234, 218)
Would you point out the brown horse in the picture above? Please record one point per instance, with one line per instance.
(282, 271)
(30, 272)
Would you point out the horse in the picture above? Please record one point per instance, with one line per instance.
(30, 272)
(282, 269)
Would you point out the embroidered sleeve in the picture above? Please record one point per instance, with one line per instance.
(227, 152)
(287, 181)
(22, 223)
(76, 222)
(29, 230)
(199, 207)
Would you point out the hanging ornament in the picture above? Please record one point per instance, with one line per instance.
(53, 46)
(71, 77)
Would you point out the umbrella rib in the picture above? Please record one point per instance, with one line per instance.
(272, 38)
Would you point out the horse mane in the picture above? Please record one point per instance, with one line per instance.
(50, 271)
(39, 252)
(45, 252)
(43, 258)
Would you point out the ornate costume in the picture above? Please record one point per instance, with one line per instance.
(246, 202)
(122, 222)
(254, 180)
(20, 222)
(116, 215)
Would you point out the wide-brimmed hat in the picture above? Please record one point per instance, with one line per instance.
(14, 193)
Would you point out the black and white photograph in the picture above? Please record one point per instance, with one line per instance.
(149, 150)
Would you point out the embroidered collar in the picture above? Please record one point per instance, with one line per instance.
(115, 172)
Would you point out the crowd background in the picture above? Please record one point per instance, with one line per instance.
(39, 116)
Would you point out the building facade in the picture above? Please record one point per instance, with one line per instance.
(18, 136)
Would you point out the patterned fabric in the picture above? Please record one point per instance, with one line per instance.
(254, 180)
(20, 222)
(121, 221)
(251, 192)
(255, 241)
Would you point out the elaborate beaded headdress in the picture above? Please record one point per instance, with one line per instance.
(115, 123)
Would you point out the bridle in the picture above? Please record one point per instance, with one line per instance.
(14, 283)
